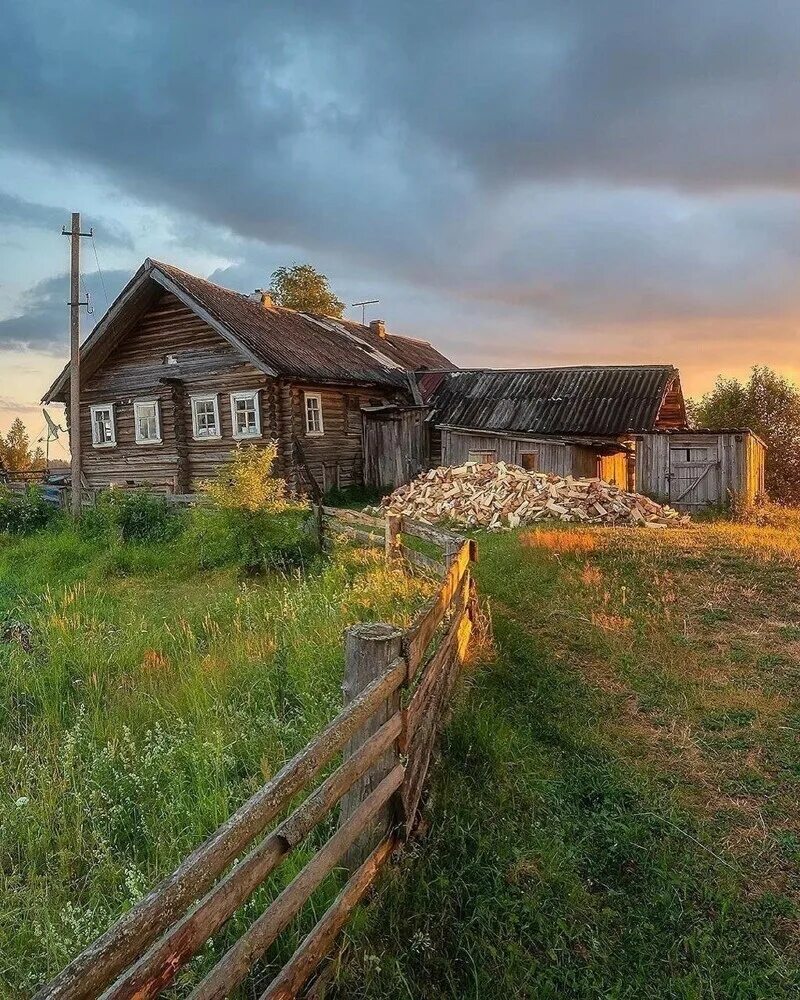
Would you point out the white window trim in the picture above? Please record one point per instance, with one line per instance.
(205, 397)
(147, 402)
(96, 408)
(255, 395)
(318, 397)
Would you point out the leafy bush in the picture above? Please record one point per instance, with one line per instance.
(21, 513)
(246, 482)
(251, 522)
(135, 515)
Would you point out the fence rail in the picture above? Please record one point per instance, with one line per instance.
(397, 684)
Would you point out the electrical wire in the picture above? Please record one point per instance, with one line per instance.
(100, 271)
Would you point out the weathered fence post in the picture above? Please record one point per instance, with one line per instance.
(392, 538)
(368, 651)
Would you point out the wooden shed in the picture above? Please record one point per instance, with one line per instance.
(692, 469)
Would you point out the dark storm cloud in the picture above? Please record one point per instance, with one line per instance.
(42, 321)
(19, 212)
(580, 161)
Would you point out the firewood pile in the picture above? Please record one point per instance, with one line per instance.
(499, 496)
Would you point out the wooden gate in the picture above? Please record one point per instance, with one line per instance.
(694, 473)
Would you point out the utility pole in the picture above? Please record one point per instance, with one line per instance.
(75, 304)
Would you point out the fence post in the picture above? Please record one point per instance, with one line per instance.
(369, 649)
(392, 538)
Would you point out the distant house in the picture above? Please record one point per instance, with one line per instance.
(180, 371)
(579, 421)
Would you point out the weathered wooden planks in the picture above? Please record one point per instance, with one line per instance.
(317, 944)
(229, 972)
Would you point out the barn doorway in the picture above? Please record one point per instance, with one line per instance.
(694, 478)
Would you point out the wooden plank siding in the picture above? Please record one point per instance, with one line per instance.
(560, 458)
(206, 363)
(738, 458)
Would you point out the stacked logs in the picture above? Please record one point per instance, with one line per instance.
(498, 496)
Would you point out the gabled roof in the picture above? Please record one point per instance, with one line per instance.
(277, 341)
(597, 401)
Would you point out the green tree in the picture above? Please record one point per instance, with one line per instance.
(302, 287)
(16, 451)
(768, 404)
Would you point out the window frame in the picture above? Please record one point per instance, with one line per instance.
(156, 403)
(255, 396)
(530, 451)
(205, 397)
(96, 408)
(309, 432)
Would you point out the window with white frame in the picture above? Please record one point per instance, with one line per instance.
(205, 417)
(104, 434)
(245, 415)
(147, 421)
(314, 424)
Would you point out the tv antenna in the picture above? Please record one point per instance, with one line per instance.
(53, 430)
(364, 304)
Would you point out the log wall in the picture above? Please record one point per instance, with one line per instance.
(205, 363)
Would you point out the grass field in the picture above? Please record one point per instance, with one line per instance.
(143, 699)
(616, 811)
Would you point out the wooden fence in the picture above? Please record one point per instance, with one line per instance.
(397, 686)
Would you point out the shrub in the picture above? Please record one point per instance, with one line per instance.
(246, 482)
(21, 513)
(252, 522)
(135, 515)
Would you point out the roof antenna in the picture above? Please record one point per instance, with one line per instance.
(364, 304)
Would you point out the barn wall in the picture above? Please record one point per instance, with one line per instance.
(614, 469)
(556, 457)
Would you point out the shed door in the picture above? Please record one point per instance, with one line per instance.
(694, 474)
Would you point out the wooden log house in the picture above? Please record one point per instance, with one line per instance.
(180, 371)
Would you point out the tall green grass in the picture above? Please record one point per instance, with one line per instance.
(142, 699)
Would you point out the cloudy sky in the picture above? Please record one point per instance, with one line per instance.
(524, 183)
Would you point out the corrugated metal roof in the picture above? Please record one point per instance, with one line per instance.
(280, 341)
(577, 401)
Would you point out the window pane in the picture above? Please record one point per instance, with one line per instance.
(313, 415)
(245, 412)
(205, 418)
(103, 427)
(147, 421)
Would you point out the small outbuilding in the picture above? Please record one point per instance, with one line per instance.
(692, 469)
(576, 421)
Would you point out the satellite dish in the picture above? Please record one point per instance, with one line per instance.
(53, 429)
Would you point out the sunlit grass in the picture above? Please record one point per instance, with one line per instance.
(142, 701)
(616, 809)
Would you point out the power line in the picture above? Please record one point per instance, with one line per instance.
(100, 272)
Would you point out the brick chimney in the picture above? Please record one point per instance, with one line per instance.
(378, 326)
(262, 298)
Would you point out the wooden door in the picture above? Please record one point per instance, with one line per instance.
(694, 479)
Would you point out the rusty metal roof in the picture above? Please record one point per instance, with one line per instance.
(278, 341)
(592, 400)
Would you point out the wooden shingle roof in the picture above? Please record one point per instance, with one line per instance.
(277, 341)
